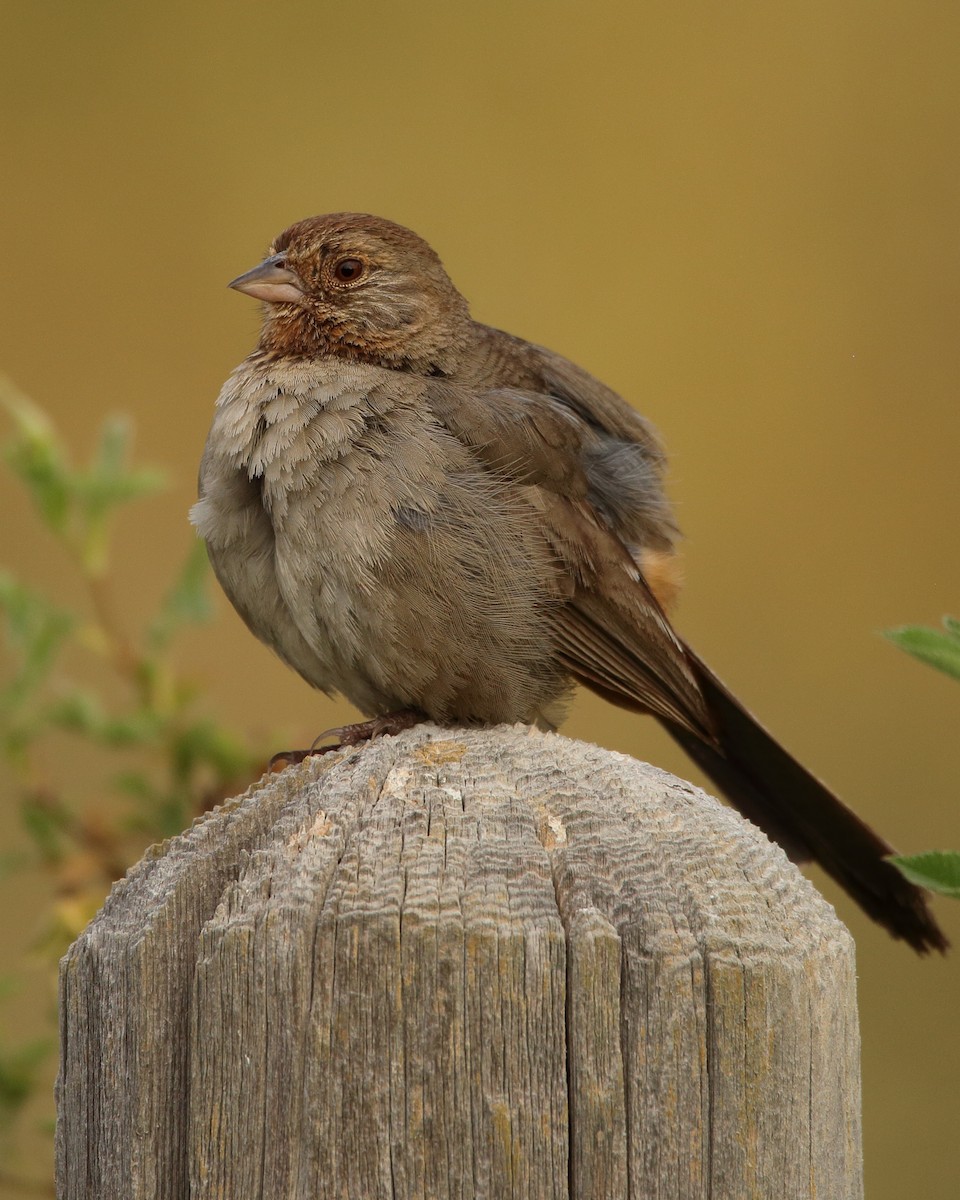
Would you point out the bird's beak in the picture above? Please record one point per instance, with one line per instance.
(271, 281)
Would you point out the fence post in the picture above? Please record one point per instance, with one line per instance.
(462, 963)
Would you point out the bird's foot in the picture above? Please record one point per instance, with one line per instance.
(351, 735)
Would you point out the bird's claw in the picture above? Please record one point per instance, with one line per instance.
(350, 735)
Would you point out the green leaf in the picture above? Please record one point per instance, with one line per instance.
(206, 744)
(75, 505)
(37, 458)
(35, 630)
(29, 614)
(137, 785)
(19, 1069)
(48, 823)
(940, 650)
(936, 870)
(109, 481)
(82, 712)
(17, 737)
(100, 494)
(107, 485)
(79, 712)
(115, 438)
(187, 602)
(169, 816)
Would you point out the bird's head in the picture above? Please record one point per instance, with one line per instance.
(362, 288)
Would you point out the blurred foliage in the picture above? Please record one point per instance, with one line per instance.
(937, 649)
(74, 669)
(71, 668)
(937, 870)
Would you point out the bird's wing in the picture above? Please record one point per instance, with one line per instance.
(610, 632)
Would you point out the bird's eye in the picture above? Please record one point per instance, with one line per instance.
(348, 270)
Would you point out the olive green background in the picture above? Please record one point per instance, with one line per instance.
(743, 216)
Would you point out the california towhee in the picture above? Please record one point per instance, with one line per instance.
(429, 515)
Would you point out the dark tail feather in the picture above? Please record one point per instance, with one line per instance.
(795, 809)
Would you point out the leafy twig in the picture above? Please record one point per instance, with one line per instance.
(176, 761)
(936, 870)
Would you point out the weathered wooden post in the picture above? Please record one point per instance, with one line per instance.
(462, 963)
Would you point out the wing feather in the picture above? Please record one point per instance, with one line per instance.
(610, 632)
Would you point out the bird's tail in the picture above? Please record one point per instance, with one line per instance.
(795, 809)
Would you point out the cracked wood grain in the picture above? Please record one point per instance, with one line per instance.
(462, 963)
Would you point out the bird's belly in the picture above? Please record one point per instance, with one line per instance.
(445, 614)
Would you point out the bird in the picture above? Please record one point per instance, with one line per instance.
(440, 520)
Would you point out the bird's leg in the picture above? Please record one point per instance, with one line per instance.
(351, 735)
(366, 731)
